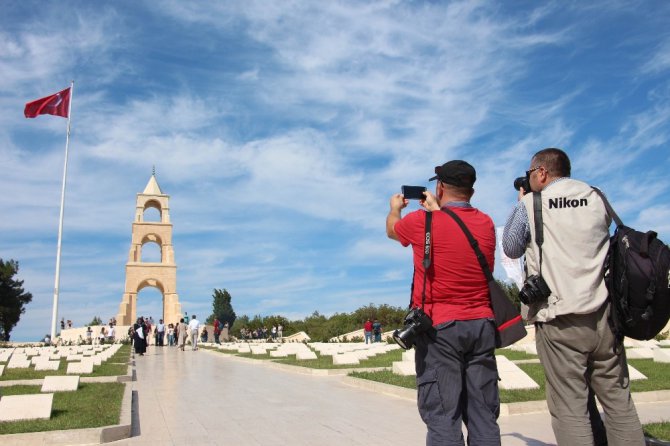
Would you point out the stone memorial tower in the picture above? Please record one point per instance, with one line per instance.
(161, 275)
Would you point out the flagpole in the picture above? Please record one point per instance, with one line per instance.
(54, 315)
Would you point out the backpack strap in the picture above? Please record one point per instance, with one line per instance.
(610, 211)
(539, 226)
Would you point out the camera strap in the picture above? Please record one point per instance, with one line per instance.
(539, 226)
(426, 254)
(473, 242)
(426, 260)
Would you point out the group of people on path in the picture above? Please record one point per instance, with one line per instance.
(177, 334)
(274, 333)
(372, 331)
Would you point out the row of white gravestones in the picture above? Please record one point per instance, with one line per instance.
(511, 375)
(36, 406)
(349, 353)
(39, 406)
(353, 353)
(48, 358)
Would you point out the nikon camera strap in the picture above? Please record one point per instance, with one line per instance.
(426, 260)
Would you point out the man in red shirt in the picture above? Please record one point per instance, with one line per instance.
(367, 330)
(456, 373)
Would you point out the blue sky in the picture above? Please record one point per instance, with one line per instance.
(281, 129)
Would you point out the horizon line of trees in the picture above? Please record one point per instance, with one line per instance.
(319, 327)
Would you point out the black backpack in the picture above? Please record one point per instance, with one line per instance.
(637, 276)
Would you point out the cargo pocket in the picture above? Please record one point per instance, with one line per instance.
(429, 398)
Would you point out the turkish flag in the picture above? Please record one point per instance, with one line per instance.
(57, 104)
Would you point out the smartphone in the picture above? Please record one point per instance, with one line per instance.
(413, 192)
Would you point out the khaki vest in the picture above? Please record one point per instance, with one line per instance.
(576, 240)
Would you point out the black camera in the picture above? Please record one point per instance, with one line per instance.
(416, 322)
(535, 290)
(522, 182)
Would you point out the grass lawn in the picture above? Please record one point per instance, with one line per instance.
(514, 355)
(93, 405)
(116, 365)
(660, 431)
(658, 378)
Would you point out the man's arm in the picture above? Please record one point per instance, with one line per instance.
(397, 203)
(517, 232)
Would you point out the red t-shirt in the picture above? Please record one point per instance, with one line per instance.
(368, 326)
(456, 288)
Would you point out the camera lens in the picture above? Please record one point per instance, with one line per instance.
(522, 182)
(405, 337)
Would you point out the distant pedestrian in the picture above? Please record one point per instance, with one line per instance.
(204, 335)
(182, 332)
(367, 330)
(111, 333)
(148, 325)
(274, 332)
(280, 331)
(89, 335)
(62, 324)
(217, 330)
(170, 334)
(377, 330)
(194, 326)
(160, 333)
(140, 337)
(102, 335)
(69, 323)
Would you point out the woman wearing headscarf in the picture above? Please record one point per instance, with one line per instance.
(140, 337)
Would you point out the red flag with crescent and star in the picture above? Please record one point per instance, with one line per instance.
(57, 104)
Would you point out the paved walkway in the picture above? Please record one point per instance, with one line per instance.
(204, 398)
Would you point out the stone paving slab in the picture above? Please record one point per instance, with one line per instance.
(662, 355)
(404, 368)
(634, 374)
(512, 377)
(26, 407)
(60, 384)
(345, 358)
(640, 353)
(18, 363)
(47, 365)
(80, 368)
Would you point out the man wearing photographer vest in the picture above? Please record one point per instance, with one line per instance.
(454, 336)
(566, 297)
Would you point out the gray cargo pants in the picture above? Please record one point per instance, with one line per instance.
(457, 382)
(576, 351)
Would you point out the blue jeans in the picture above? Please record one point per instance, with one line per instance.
(368, 337)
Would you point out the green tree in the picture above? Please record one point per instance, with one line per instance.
(222, 309)
(13, 298)
(96, 321)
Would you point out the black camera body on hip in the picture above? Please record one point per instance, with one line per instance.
(535, 290)
(415, 323)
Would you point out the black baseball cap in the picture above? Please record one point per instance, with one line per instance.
(457, 173)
